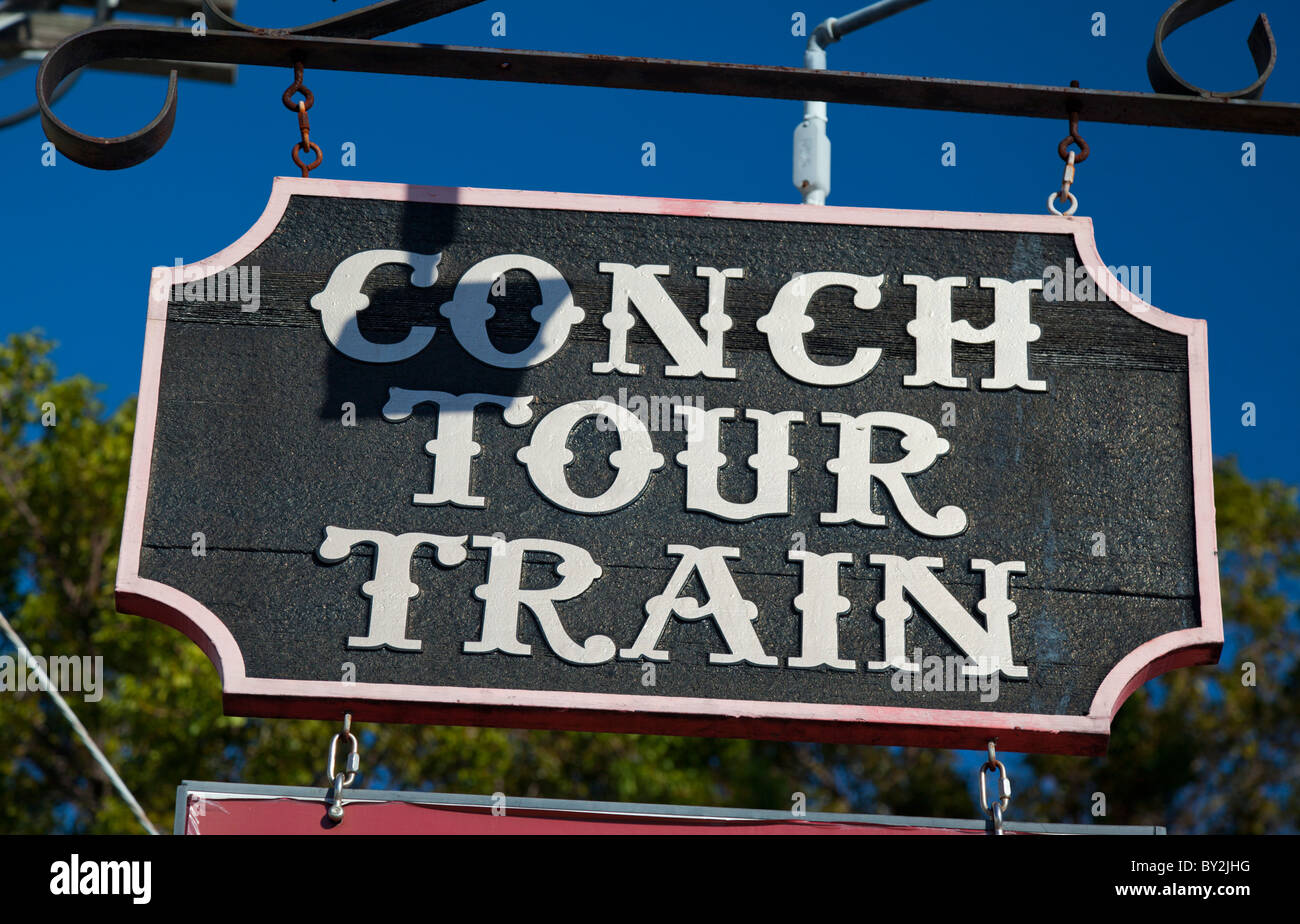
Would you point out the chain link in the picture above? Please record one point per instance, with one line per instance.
(306, 145)
(1064, 195)
(1071, 159)
(352, 763)
(1004, 788)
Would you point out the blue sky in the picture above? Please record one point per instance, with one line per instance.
(1219, 236)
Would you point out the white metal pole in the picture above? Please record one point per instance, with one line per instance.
(812, 146)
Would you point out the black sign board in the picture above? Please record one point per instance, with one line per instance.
(544, 460)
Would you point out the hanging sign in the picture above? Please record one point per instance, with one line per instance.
(244, 809)
(568, 461)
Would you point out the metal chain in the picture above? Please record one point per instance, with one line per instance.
(1004, 788)
(353, 763)
(1070, 158)
(304, 126)
(1064, 194)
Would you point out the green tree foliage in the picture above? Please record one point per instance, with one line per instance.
(1211, 749)
(1200, 752)
(62, 491)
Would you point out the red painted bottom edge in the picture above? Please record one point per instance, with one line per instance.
(652, 723)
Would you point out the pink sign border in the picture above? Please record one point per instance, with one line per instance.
(1065, 734)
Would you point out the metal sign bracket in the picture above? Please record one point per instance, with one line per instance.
(346, 43)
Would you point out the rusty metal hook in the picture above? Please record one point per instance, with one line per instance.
(1074, 137)
(1164, 79)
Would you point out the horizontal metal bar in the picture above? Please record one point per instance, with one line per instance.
(706, 77)
(545, 67)
(49, 29)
